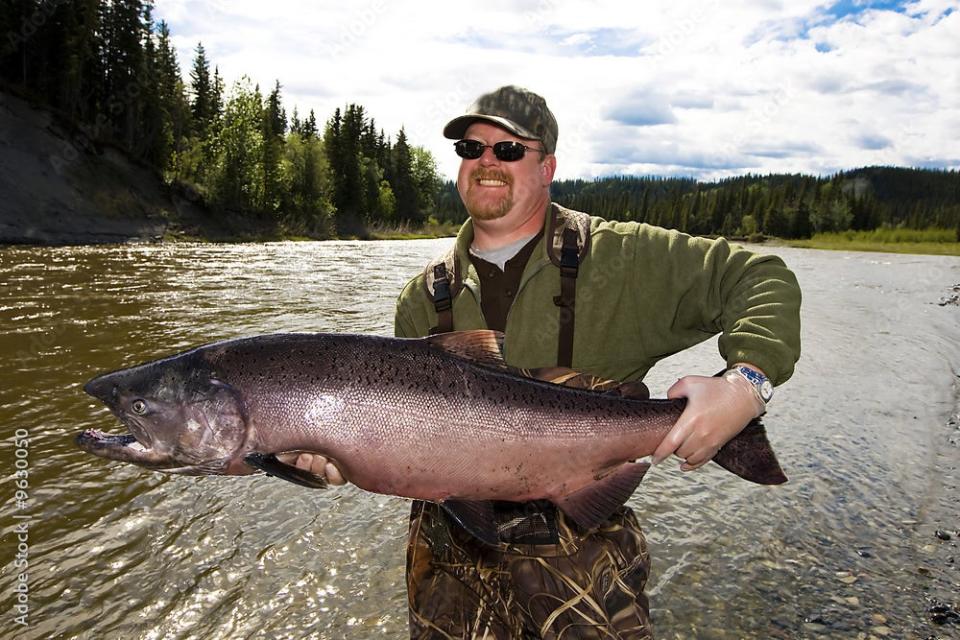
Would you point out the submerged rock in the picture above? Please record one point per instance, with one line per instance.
(942, 613)
(952, 298)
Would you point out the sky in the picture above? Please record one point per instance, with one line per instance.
(706, 89)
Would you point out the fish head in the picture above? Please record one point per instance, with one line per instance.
(181, 418)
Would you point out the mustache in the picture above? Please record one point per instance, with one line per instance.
(489, 174)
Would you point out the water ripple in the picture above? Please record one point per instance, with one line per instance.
(116, 551)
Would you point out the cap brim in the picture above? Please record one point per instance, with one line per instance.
(457, 128)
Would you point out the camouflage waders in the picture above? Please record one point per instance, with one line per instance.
(583, 586)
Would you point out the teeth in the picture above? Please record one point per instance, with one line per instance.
(488, 182)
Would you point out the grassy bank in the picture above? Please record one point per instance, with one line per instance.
(926, 241)
(405, 231)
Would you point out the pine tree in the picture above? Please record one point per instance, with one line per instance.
(343, 149)
(154, 142)
(216, 99)
(173, 100)
(310, 126)
(123, 54)
(403, 185)
(17, 47)
(274, 127)
(202, 106)
(295, 125)
(332, 138)
(75, 77)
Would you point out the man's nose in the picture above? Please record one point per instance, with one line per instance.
(488, 158)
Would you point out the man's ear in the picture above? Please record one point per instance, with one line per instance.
(548, 168)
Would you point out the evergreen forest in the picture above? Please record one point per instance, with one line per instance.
(109, 70)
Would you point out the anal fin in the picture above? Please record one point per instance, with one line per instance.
(477, 517)
(271, 465)
(590, 506)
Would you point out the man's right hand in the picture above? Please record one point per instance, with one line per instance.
(315, 464)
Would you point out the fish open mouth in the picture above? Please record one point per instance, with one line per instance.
(126, 448)
(96, 439)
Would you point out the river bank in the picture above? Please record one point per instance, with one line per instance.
(62, 186)
(942, 242)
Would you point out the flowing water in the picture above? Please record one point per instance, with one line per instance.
(866, 430)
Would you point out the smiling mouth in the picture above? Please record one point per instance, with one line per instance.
(491, 182)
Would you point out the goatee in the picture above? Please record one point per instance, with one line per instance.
(487, 209)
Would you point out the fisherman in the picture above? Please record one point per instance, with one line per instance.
(606, 298)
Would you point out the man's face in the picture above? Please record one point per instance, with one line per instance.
(491, 188)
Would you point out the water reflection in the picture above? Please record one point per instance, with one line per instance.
(116, 551)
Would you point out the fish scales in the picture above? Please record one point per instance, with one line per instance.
(441, 418)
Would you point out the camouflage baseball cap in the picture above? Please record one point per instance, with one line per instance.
(521, 112)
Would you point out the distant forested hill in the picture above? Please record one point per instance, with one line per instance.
(784, 205)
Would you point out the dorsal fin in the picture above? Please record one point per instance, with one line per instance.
(571, 378)
(553, 375)
(482, 346)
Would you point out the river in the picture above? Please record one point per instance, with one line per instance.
(866, 430)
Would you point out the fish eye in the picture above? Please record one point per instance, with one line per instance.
(139, 407)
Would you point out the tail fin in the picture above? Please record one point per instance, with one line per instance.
(750, 456)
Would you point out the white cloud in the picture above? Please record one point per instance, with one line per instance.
(732, 86)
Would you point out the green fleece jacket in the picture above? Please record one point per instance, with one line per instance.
(643, 293)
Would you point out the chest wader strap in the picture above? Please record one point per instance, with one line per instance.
(569, 265)
(442, 300)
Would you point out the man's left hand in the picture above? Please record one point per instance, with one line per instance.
(717, 409)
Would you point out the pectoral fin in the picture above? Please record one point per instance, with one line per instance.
(592, 505)
(271, 465)
(477, 517)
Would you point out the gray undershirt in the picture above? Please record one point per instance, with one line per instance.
(501, 255)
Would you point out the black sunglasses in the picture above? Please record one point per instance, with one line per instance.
(506, 151)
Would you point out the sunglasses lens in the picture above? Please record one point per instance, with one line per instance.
(508, 151)
(469, 149)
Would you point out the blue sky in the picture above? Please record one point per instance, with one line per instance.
(706, 89)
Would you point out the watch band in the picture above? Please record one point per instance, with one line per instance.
(761, 384)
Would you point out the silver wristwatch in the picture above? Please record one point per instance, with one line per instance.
(761, 384)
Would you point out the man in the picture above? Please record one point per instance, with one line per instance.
(605, 298)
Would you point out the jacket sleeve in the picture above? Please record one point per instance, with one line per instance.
(752, 300)
(411, 319)
(760, 314)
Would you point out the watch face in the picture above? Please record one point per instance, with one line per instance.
(766, 391)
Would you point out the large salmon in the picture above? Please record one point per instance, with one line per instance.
(440, 418)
